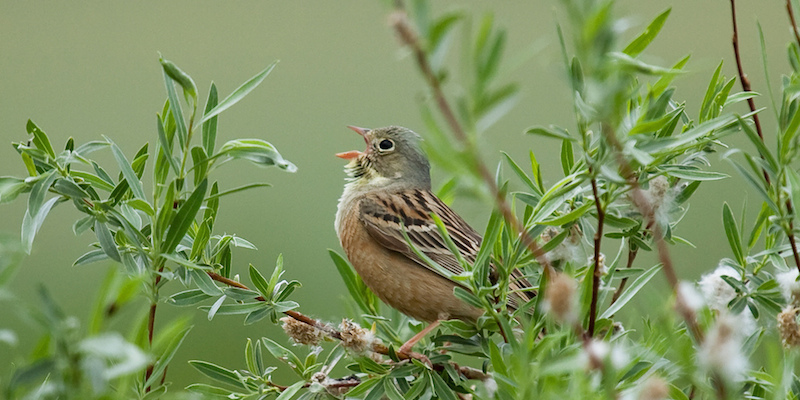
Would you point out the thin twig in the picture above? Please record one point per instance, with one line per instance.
(751, 103)
(410, 38)
(151, 321)
(597, 272)
(333, 333)
(742, 76)
(645, 207)
(792, 20)
(631, 256)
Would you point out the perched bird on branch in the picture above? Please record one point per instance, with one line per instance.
(389, 194)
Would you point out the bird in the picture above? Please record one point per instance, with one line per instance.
(388, 193)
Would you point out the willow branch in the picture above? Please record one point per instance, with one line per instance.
(793, 22)
(333, 333)
(751, 103)
(597, 271)
(631, 256)
(645, 207)
(409, 37)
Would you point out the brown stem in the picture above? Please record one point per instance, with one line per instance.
(792, 241)
(792, 20)
(642, 203)
(409, 37)
(745, 81)
(597, 272)
(751, 103)
(151, 322)
(467, 372)
(631, 256)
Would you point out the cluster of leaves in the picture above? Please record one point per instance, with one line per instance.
(167, 236)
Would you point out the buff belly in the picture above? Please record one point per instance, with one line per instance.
(398, 281)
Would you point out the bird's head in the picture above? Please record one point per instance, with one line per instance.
(393, 158)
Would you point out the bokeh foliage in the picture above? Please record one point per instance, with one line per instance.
(631, 164)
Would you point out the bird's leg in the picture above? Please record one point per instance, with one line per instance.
(407, 346)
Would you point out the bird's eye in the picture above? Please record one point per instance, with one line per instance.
(386, 145)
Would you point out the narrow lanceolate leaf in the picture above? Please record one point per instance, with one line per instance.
(166, 147)
(177, 112)
(90, 257)
(32, 223)
(645, 38)
(210, 126)
(40, 139)
(238, 94)
(291, 391)
(205, 283)
(693, 174)
(260, 282)
(127, 171)
(631, 291)
(39, 190)
(217, 373)
(258, 151)
(184, 218)
(10, 188)
(732, 233)
(106, 240)
(166, 357)
(183, 79)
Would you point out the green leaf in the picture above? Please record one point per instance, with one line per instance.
(31, 224)
(467, 296)
(188, 297)
(200, 164)
(210, 126)
(183, 79)
(351, 280)
(440, 387)
(260, 283)
(570, 216)
(236, 308)
(281, 353)
(106, 240)
(212, 311)
(550, 131)
(521, 174)
(692, 174)
(166, 357)
(732, 232)
(90, 257)
(166, 147)
(567, 157)
(631, 291)
(177, 112)
(184, 218)
(40, 139)
(205, 283)
(641, 42)
(758, 143)
(127, 171)
(291, 391)
(39, 191)
(257, 151)
(236, 190)
(214, 391)
(238, 94)
(217, 373)
(10, 188)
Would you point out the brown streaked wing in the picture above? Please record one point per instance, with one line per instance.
(382, 214)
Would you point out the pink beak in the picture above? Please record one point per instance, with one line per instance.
(349, 155)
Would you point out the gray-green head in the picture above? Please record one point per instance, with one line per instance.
(393, 158)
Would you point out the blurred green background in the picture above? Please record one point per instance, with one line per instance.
(86, 69)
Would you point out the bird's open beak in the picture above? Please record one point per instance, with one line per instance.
(349, 155)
